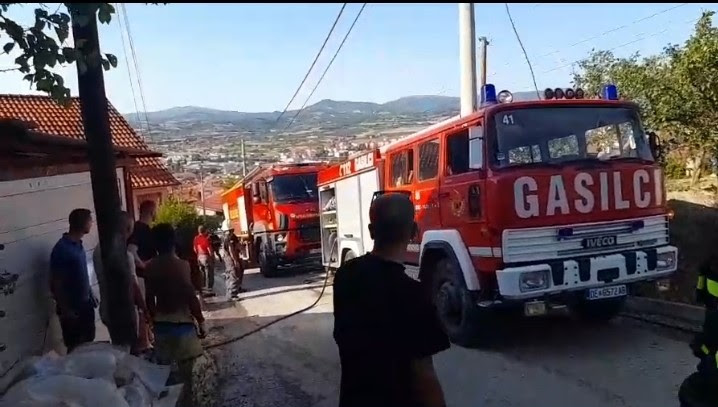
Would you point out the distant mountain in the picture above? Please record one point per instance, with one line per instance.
(327, 114)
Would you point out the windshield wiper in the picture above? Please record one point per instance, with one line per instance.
(589, 162)
(534, 164)
(634, 159)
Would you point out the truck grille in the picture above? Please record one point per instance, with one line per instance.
(309, 233)
(554, 242)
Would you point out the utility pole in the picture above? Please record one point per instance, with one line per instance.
(484, 44)
(467, 58)
(106, 197)
(244, 160)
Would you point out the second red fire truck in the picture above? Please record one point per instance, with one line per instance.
(542, 204)
(274, 212)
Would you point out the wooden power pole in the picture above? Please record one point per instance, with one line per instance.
(106, 197)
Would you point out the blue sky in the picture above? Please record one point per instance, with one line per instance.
(252, 57)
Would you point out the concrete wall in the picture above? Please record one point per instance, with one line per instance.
(33, 216)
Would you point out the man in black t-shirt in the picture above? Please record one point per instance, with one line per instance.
(386, 329)
(142, 237)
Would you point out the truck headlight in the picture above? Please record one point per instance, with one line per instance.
(533, 280)
(666, 261)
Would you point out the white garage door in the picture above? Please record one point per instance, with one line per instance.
(33, 216)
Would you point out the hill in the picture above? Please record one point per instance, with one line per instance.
(326, 114)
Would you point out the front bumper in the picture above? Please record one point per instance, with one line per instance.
(579, 274)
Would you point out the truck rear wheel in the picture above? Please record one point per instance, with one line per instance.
(267, 265)
(463, 321)
(598, 310)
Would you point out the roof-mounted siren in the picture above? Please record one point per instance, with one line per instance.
(609, 92)
(488, 94)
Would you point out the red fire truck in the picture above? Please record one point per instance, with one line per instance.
(274, 212)
(543, 204)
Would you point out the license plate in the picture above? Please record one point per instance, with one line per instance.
(315, 251)
(606, 292)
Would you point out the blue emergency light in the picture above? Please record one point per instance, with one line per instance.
(488, 94)
(609, 92)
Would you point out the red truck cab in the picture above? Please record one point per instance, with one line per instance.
(278, 216)
(541, 204)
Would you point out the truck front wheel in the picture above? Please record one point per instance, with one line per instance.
(267, 265)
(463, 321)
(598, 310)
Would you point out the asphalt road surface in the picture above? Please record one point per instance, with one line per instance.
(556, 362)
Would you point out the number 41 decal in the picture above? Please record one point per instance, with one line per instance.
(508, 119)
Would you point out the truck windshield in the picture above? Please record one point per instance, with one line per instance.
(294, 187)
(554, 135)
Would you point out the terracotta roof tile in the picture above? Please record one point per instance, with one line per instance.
(51, 118)
(150, 173)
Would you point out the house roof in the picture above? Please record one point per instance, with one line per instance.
(46, 116)
(212, 203)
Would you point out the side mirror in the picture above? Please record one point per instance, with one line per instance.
(654, 144)
(476, 148)
(255, 190)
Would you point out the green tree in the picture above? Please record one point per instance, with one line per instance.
(44, 45)
(676, 90)
(181, 214)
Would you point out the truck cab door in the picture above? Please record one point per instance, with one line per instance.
(401, 177)
(461, 193)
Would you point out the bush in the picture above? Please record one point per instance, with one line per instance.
(183, 216)
(674, 167)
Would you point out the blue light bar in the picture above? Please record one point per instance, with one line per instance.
(609, 92)
(488, 94)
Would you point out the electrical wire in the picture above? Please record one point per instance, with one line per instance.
(321, 49)
(585, 40)
(137, 67)
(129, 71)
(533, 77)
(636, 39)
(327, 68)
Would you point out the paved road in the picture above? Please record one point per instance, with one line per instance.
(550, 363)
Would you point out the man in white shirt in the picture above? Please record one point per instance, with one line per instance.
(127, 224)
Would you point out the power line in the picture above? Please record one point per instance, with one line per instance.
(129, 71)
(137, 67)
(533, 77)
(585, 40)
(327, 68)
(636, 39)
(331, 30)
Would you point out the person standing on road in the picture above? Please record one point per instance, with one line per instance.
(203, 248)
(175, 309)
(216, 243)
(70, 283)
(385, 326)
(142, 344)
(233, 267)
(701, 388)
(141, 243)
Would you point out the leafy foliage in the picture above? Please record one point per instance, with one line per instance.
(44, 45)
(181, 214)
(676, 90)
(177, 213)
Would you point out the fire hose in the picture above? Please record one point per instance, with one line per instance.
(237, 338)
